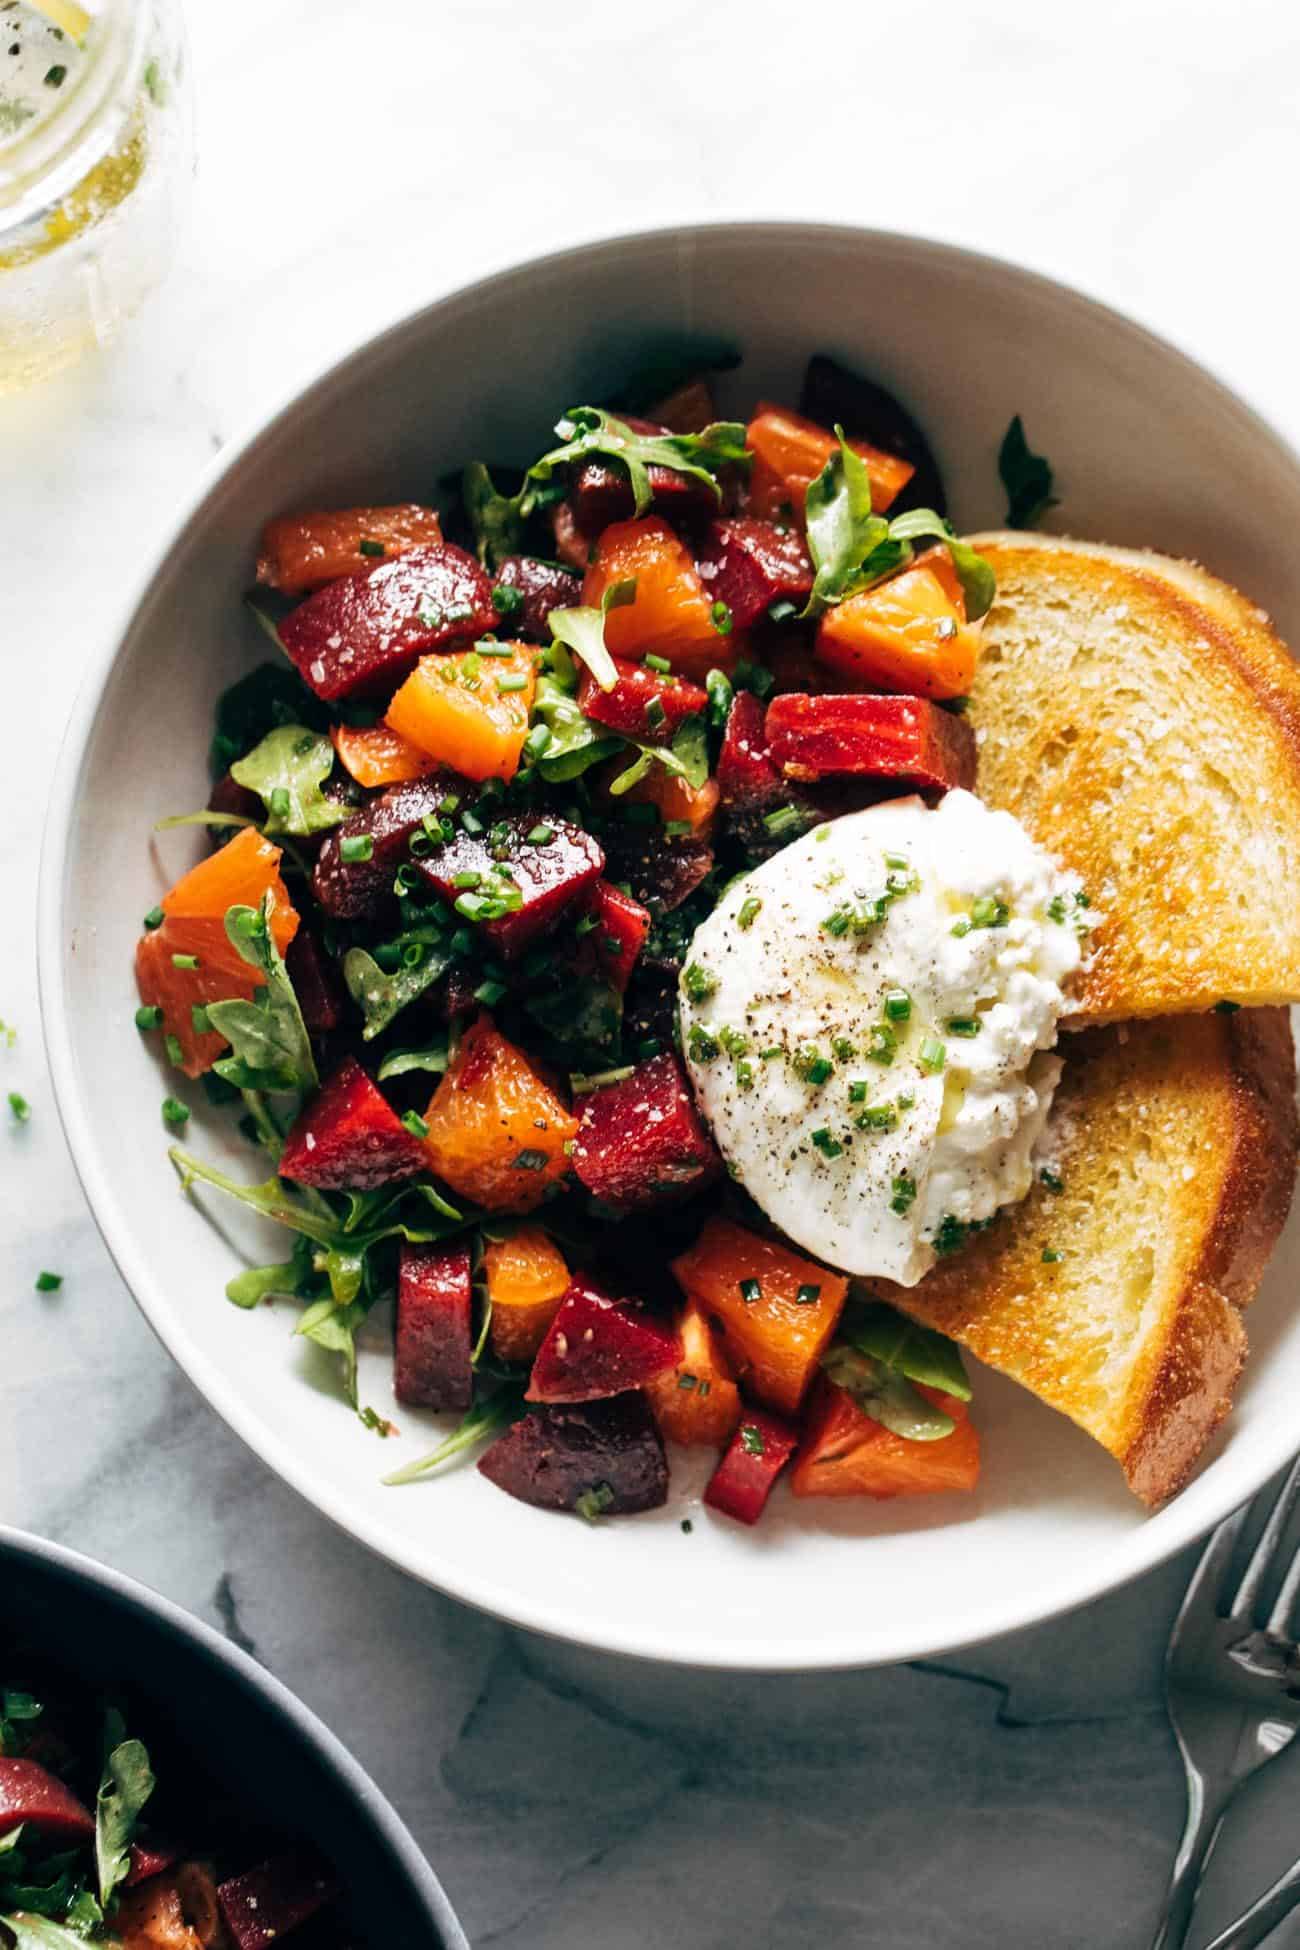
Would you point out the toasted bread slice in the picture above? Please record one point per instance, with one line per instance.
(1175, 1143)
(1143, 721)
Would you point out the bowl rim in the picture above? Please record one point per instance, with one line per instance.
(21, 1547)
(1205, 1502)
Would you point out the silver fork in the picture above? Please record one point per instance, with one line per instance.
(1232, 1687)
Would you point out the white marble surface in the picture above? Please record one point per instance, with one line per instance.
(1030, 1796)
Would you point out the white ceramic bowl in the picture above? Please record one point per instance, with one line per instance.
(1149, 448)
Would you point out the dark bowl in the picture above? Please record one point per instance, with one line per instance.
(287, 1765)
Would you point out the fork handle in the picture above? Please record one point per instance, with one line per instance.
(1258, 1923)
(1204, 1813)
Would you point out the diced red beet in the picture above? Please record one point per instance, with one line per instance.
(431, 1361)
(264, 1904)
(363, 634)
(641, 1141)
(867, 411)
(352, 890)
(642, 704)
(316, 982)
(752, 789)
(31, 1795)
(149, 1859)
(349, 1138)
(551, 874)
(662, 873)
(571, 545)
(906, 739)
(611, 947)
(611, 1451)
(749, 564)
(544, 586)
(602, 493)
(597, 1346)
(746, 1476)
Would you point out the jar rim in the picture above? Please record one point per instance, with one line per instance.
(38, 168)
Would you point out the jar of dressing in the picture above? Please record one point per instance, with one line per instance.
(95, 161)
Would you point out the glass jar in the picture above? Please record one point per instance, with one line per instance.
(95, 162)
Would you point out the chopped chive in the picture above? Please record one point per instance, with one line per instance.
(960, 927)
(718, 687)
(655, 715)
(750, 1291)
(782, 820)
(506, 599)
(19, 1107)
(989, 912)
(721, 615)
(466, 878)
(175, 1054)
(530, 1161)
(1051, 1257)
(150, 1017)
(768, 1054)
(56, 76)
(647, 1048)
(585, 924)
(698, 982)
(537, 741)
(655, 662)
(677, 829)
(593, 1503)
(1056, 908)
(782, 609)
(687, 1383)
(963, 1025)
(932, 1054)
(199, 1019)
(512, 681)
(877, 1117)
(898, 1005)
(751, 1440)
(469, 820)
(539, 835)
(842, 1049)
(174, 1112)
(904, 1193)
(367, 547)
(859, 1090)
(749, 910)
(185, 961)
(882, 1045)
(48, 1282)
(356, 847)
(415, 1124)
(489, 993)
(154, 918)
(808, 1296)
(828, 1146)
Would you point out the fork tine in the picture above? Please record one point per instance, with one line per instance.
(1207, 1579)
(1252, 1583)
(1280, 1618)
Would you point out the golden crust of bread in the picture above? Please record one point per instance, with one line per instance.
(1143, 720)
(1176, 1143)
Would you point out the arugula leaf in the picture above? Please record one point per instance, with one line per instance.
(273, 1199)
(495, 518)
(583, 631)
(585, 431)
(381, 996)
(31, 1932)
(334, 1328)
(686, 758)
(399, 1062)
(270, 695)
(286, 771)
(886, 1395)
(271, 1049)
(258, 1283)
(85, 1913)
(482, 1420)
(920, 1353)
(852, 548)
(125, 1788)
(15, 1709)
(1026, 476)
(205, 817)
(576, 743)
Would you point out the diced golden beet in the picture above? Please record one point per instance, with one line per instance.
(302, 552)
(526, 1281)
(790, 452)
(697, 1402)
(906, 634)
(779, 1309)
(467, 710)
(239, 874)
(376, 755)
(497, 1131)
(845, 1453)
(683, 804)
(672, 615)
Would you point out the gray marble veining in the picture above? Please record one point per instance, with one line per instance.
(1023, 1794)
